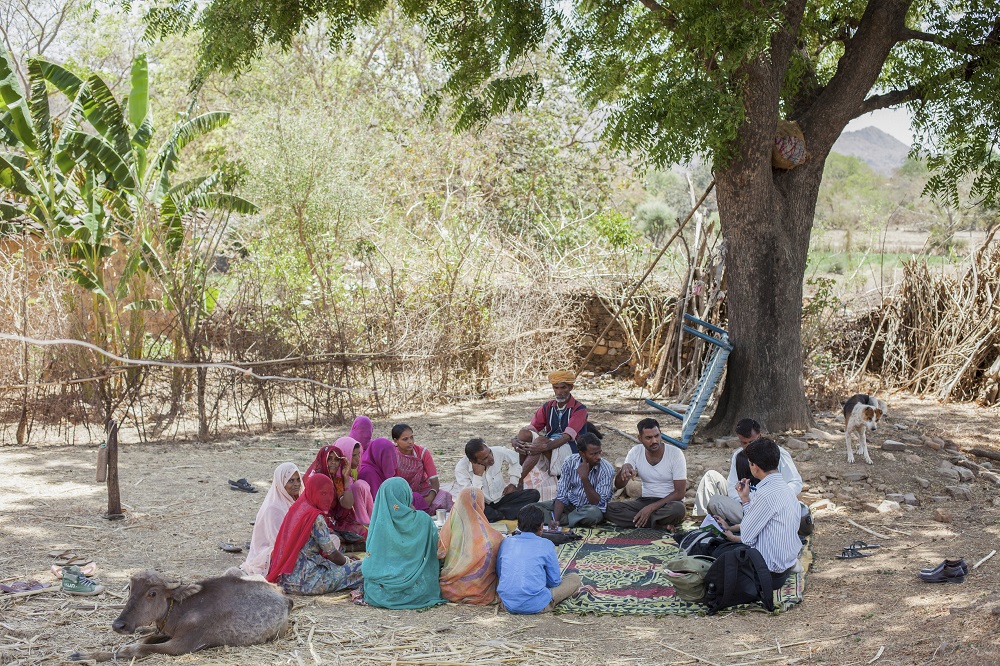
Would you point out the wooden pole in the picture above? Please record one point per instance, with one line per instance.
(114, 493)
(652, 265)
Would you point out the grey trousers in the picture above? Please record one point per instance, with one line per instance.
(622, 514)
(584, 516)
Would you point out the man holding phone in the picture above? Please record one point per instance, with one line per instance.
(770, 520)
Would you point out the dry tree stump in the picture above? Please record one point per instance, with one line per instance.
(114, 493)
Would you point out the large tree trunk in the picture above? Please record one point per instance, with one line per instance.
(766, 222)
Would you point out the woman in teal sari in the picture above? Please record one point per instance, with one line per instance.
(402, 569)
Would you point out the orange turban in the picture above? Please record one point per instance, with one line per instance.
(561, 376)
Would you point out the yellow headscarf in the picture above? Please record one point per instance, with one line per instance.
(562, 376)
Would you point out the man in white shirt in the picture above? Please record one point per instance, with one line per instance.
(482, 467)
(718, 496)
(663, 472)
(770, 514)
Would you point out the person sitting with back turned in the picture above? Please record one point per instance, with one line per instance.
(717, 495)
(585, 487)
(663, 472)
(528, 569)
(550, 438)
(482, 468)
(770, 514)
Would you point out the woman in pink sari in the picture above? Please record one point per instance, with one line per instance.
(350, 449)
(361, 430)
(331, 463)
(415, 464)
(378, 465)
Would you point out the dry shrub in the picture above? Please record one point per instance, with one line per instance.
(937, 334)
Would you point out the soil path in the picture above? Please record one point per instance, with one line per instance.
(180, 508)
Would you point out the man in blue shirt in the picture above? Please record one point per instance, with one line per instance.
(585, 487)
(528, 570)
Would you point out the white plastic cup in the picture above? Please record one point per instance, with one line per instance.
(442, 515)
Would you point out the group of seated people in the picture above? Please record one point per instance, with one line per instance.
(379, 496)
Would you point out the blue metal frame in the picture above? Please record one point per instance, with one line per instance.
(710, 376)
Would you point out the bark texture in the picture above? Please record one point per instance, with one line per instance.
(767, 216)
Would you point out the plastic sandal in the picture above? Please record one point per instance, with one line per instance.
(242, 485)
(851, 553)
(857, 545)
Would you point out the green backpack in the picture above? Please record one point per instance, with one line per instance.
(687, 575)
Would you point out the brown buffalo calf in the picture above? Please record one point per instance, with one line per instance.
(227, 610)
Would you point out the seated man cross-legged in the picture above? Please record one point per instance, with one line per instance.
(717, 495)
(528, 570)
(663, 472)
(482, 468)
(550, 438)
(585, 487)
(770, 514)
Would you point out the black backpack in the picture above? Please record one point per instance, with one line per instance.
(698, 542)
(738, 576)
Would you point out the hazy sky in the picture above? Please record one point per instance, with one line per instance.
(891, 121)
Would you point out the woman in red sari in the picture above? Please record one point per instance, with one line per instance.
(415, 464)
(330, 463)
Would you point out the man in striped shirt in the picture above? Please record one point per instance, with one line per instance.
(585, 487)
(771, 515)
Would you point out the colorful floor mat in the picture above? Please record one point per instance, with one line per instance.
(623, 574)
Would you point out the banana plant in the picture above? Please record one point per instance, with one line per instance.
(106, 198)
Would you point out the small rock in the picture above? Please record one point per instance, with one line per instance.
(960, 492)
(911, 499)
(911, 439)
(893, 445)
(987, 465)
(949, 473)
(913, 459)
(940, 498)
(804, 456)
(854, 476)
(820, 434)
(996, 501)
(942, 515)
(881, 487)
(895, 497)
(885, 506)
(950, 445)
(796, 444)
(931, 444)
(819, 505)
(733, 443)
(938, 441)
(965, 475)
(996, 610)
(900, 426)
(677, 407)
(909, 507)
(990, 477)
(832, 475)
(889, 456)
(924, 483)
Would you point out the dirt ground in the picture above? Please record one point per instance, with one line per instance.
(179, 507)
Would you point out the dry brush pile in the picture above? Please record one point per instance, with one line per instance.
(937, 334)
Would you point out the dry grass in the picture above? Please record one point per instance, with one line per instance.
(179, 508)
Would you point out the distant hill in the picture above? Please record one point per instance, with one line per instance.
(883, 152)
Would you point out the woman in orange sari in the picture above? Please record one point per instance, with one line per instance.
(468, 547)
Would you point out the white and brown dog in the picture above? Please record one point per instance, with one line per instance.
(861, 414)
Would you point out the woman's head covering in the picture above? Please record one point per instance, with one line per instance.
(401, 570)
(345, 447)
(269, 517)
(361, 430)
(378, 463)
(315, 500)
(321, 466)
(469, 548)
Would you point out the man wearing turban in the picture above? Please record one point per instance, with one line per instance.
(550, 438)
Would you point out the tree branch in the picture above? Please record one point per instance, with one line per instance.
(891, 98)
(940, 40)
(653, 5)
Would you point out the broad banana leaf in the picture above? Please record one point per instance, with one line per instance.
(11, 211)
(112, 116)
(166, 159)
(138, 96)
(92, 152)
(40, 112)
(12, 100)
(64, 80)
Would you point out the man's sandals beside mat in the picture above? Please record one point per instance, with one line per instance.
(624, 574)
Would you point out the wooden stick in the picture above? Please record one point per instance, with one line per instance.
(620, 432)
(896, 531)
(688, 655)
(788, 645)
(985, 453)
(878, 654)
(872, 532)
(992, 553)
